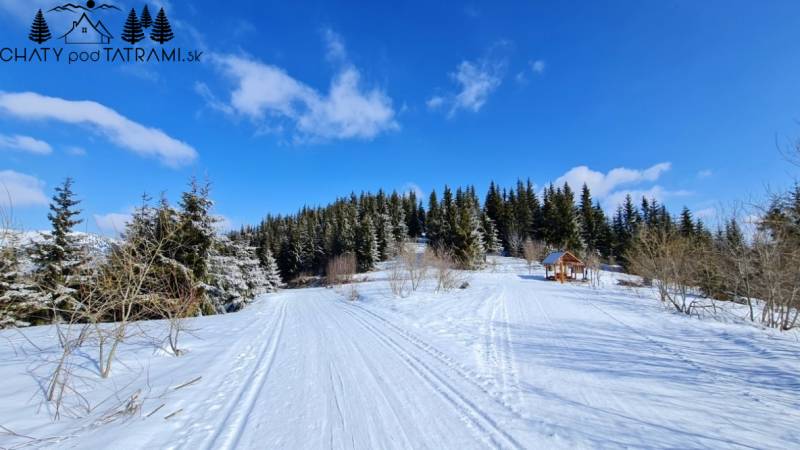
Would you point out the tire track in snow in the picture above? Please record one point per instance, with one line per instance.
(229, 431)
(484, 427)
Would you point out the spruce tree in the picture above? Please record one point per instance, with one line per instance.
(686, 226)
(433, 222)
(195, 229)
(57, 256)
(588, 220)
(491, 240)
(271, 269)
(367, 252)
(162, 31)
(40, 32)
(21, 304)
(146, 19)
(132, 32)
(468, 245)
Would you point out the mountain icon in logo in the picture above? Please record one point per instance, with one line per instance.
(90, 6)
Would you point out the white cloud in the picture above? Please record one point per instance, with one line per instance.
(616, 198)
(602, 184)
(336, 51)
(269, 96)
(538, 67)
(118, 129)
(25, 144)
(477, 81)
(112, 223)
(705, 173)
(19, 189)
(435, 102)
(612, 187)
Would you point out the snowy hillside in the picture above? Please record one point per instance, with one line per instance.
(512, 361)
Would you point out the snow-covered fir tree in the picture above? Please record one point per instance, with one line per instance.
(21, 303)
(270, 267)
(367, 252)
(385, 233)
(491, 239)
(196, 228)
(57, 256)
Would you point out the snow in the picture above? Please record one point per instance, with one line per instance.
(513, 361)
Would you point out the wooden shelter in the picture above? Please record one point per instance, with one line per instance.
(565, 267)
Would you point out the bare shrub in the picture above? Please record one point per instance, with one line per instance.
(179, 299)
(592, 262)
(533, 251)
(398, 278)
(515, 241)
(777, 257)
(341, 269)
(447, 278)
(416, 264)
(669, 260)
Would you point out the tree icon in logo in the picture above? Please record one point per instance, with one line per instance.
(40, 32)
(162, 31)
(146, 20)
(133, 31)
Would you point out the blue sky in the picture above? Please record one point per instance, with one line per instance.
(300, 102)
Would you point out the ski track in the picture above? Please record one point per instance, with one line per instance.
(227, 435)
(484, 426)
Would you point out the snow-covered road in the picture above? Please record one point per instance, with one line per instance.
(511, 362)
(328, 374)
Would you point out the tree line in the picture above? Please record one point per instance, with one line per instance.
(168, 261)
(372, 226)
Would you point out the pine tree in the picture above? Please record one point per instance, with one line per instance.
(385, 233)
(271, 269)
(196, 229)
(468, 246)
(588, 220)
(40, 32)
(132, 32)
(162, 31)
(686, 226)
(57, 256)
(491, 240)
(433, 222)
(146, 19)
(367, 252)
(21, 304)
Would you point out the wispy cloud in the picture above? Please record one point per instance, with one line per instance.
(335, 49)
(538, 67)
(270, 97)
(705, 173)
(130, 135)
(18, 189)
(475, 80)
(25, 144)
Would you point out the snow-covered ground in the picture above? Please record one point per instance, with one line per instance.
(512, 361)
